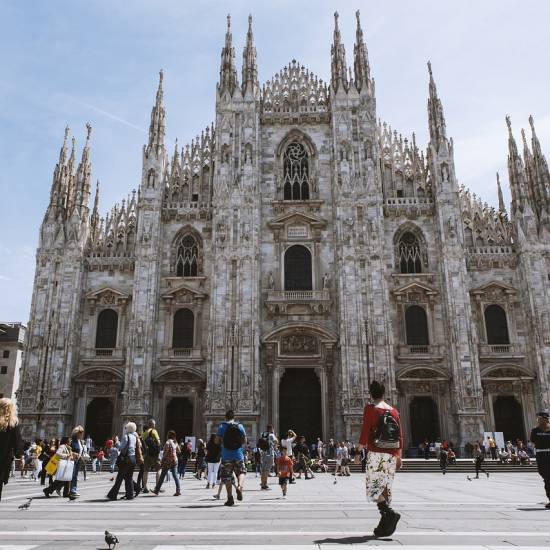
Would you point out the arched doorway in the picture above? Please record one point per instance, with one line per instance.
(509, 417)
(424, 420)
(99, 420)
(300, 406)
(179, 417)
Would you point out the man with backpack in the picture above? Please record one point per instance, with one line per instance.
(383, 438)
(233, 438)
(266, 444)
(151, 447)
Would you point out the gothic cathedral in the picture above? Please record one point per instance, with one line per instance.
(293, 251)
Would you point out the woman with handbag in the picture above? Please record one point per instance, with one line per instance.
(169, 462)
(11, 445)
(62, 466)
(126, 461)
(77, 446)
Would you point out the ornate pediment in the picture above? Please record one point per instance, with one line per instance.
(297, 225)
(415, 292)
(422, 374)
(108, 296)
(183, 294)
(494, 290)
(506, 372)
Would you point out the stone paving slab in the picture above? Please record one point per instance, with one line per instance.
(437, 511)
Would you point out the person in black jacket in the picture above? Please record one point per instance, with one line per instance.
(540, 436)
(11, 445)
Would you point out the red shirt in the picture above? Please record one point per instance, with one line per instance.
(284, 466)
(371, 416)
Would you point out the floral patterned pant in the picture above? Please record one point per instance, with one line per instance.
(380, 473)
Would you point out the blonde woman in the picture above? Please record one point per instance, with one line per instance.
(77, 447)
(11, 445)
(63, 452)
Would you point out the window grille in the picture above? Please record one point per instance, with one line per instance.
(187, 257)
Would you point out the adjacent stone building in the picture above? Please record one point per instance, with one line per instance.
(296, 249)
(12, 344)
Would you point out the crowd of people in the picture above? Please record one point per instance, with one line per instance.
(227, 456)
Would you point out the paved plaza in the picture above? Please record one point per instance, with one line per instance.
(503, 511)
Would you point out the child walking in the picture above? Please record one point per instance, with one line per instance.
(285, 470)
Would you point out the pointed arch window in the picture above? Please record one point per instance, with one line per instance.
(409, 253)
(187, 256)
(296, 172)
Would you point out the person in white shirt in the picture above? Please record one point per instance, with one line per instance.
(287, 444)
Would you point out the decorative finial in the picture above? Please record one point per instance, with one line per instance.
(523, 138)
(532, 123)
(430, 68)
(88, 130)
(509, 124)
(357, 16)
(336, 18)
(67, 130)
(161, 77)
(228, 22)
(249, 21)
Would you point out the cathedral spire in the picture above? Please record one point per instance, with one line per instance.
(69, 183)
(228, 72)
(83, 175)
(361, 58)
(516, 172)
(501, 206)
(436, 119)
(59, 175)
(338, 59)
(250, 67)
(94, 218)
(157, 126)
(540, 172)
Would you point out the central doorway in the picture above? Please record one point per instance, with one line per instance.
(509, 417)
(300, 407)
(179, 417)
(99, 420)
(424, 420)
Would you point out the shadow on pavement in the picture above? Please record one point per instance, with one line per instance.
(530, 509)
(351, 540)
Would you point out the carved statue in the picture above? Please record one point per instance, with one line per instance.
(326, 281)
(139, 334)
(270, 281)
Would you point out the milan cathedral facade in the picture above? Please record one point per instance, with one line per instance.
(296, 249)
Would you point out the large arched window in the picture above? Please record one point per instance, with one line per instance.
(107, 325)
(496, 325)
(298, 268)
(416, 325)
(295, 172)
(409, 253)
(187, 256)
(184, 328)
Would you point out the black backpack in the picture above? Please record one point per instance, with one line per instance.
(233, 438)
(152, 446)
(388, 432)
(263, 443)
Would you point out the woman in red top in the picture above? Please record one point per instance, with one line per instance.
(384, 455)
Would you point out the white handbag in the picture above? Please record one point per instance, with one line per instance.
(65, 470)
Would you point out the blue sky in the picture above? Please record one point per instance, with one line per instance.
(69, 62)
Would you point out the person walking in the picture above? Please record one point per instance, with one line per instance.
(266, 446)
(184, 457)
(113, 453)
(443, 460)
(213, 458)
(288, 442)
(492, 448)
(383, 437)
(284, 469)
(126, 462)
(479, 457)
(540, 436)
(169, 462)
(99, 458)
(63, 452)
(233, 438)
(151, 452)
(11, 445)
(77, 446)
(200, 463)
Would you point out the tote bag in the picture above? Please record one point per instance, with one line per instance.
(65, 470)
